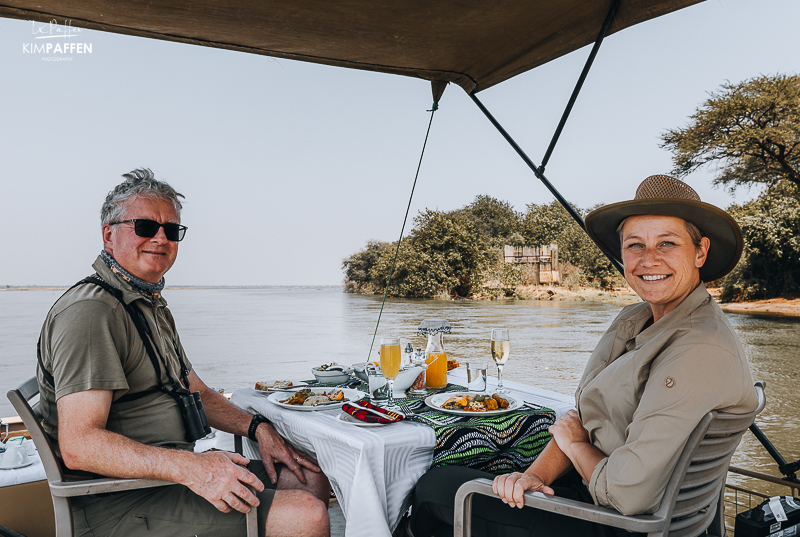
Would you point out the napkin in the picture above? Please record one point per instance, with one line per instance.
(356, 409)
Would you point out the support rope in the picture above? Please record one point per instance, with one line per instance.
(405, 219)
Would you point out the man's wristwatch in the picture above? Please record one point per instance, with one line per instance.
(257, 420)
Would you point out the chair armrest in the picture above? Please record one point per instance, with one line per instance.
(67, 489)
(563, 506)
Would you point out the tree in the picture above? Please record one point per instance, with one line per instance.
(752, 129)
(770, 266)
(455, 242)
(494, 219)
(358, 268)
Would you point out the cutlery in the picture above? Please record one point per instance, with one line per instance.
(330, 403)
(408, 412)
(373, 411)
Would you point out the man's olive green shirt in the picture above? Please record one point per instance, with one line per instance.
(644, 391)
(89, 342)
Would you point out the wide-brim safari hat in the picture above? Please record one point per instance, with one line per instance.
(665, 195)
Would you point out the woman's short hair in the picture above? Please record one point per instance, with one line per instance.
(694, 232)
(139, 183)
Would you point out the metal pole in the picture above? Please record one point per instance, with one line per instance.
(789, 470)
(603, 31)
(572, 212)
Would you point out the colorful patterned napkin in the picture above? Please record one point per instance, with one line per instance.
(356, 409)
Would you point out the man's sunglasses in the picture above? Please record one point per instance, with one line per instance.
(149, 228)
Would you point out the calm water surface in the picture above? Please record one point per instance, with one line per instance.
(237, 336)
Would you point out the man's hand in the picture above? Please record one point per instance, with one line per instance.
(511, 487)
(218, 478)
(568, 430)
(274, 449)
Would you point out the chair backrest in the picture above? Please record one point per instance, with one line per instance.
(693, 498)
(32, 418)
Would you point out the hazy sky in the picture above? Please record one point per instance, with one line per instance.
(289, 167)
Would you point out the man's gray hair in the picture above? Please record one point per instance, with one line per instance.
(139, 183)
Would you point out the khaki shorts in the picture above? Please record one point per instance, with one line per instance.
(171, 511)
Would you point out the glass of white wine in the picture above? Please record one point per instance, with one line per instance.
(501, 348)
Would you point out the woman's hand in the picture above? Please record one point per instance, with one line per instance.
(511, 487)
(568, 430)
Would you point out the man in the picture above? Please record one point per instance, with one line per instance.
(113, 406)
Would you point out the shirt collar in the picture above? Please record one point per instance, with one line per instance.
(694, 300)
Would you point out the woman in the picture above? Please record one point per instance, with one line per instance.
(661, 366)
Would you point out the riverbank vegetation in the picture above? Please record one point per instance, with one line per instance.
(459, 254)
(751, 132)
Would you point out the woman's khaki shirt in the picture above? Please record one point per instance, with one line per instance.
(644, 391)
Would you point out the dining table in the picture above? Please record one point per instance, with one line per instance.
(372, 469)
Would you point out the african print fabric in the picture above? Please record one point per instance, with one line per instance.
(151, 291)
(496, 444)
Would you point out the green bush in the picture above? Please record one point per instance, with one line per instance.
(455, 253)
(770, 265)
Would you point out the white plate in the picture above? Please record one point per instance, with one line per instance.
(347, 418)
(295, 385)
(436, 401)
(351, 395)
(23, 465)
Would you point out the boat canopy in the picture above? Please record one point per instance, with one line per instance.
(473, 43)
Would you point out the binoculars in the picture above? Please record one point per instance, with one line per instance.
(195, 421)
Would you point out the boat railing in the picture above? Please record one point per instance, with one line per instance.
(746, 489)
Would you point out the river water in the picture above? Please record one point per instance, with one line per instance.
(237, 336)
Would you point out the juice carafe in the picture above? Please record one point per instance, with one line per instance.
(436, 375)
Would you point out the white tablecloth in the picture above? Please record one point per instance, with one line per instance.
(372, 470)
(34, 472)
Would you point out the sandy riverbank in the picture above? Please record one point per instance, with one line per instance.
(624, 296)
(620, 295)
(774, 306)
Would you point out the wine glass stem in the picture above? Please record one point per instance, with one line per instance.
(500, 376)
(390, 382)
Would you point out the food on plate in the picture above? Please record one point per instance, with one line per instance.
(265, 385)
(333, 366)
(476, 403)
(452, 363)
(309, 398)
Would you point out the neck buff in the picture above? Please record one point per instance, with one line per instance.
(151, 291)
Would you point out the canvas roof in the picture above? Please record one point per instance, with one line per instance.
(473, 43)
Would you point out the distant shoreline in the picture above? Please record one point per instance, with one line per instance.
(175, 287)
(620, 296)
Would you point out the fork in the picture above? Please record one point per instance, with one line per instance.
(408, 412)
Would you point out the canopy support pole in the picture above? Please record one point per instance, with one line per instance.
(539, 171)
(588, 65)
(572, 212)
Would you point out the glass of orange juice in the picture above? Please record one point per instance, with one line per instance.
(390, 362)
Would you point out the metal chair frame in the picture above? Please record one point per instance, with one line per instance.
(61, 488)
(693, 501)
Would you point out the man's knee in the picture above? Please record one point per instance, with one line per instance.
(316, 512)
(298, 512)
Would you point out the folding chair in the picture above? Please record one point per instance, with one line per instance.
(63, 488)
(692, 503)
